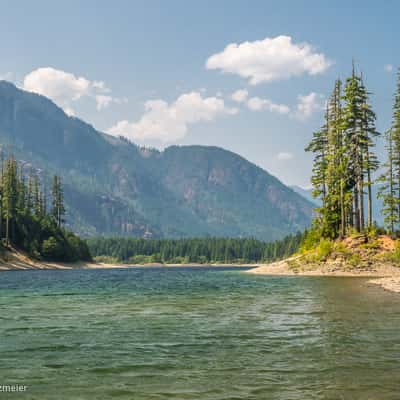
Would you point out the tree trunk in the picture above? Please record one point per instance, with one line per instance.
(398, 197)
(369, 198)
(342, 211)
(7, 230)
(392, 192)
(356, 211)
(350, 218)
(361, 194)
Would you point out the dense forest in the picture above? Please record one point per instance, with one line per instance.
(26, 221)
(200, 250)
(345, 162)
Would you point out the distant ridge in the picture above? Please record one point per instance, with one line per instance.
(113, 187)
(306, 193)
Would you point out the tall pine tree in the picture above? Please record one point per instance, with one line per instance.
(388, 190)
(344, 159)
(58, 208)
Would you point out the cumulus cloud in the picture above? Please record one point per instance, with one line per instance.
(8, 76)
(103, 101)
(65, 88)
(283, 156)
(101, 87)
(58, 85)
(308, 105)
(259, 104)
(269, 60)
(169, 122)
(240, 95)
(388, 67)
(69, 111)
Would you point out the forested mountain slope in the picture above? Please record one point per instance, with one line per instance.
(114, 187)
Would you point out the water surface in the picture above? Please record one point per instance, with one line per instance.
(197, 333)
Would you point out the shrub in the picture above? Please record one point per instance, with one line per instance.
(324, 249)
(179, 260)
(395, 255)
(106, 260)
(140, 259)
(342, 250)
(52, 249)
(354, 260)
(310, 241)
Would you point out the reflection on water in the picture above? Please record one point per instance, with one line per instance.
(197, 333)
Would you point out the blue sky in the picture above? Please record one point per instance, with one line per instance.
(139, 68)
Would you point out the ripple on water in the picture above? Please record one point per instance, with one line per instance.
(197, 334)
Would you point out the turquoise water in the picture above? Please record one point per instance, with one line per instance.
(196, 333)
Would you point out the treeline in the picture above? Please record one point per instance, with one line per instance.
(390, 179)
(26, 221)
(344, 162)
(199, 250)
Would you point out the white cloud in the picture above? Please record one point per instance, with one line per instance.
(240, 95)
(65, 88)
(388, 67)
(69, 111)
(8, 76)
(283, 156)
(101, 87)
(258, 104)
(104, 100)
(169, 122)
(308, 105)
(269, 60)
(60, 86)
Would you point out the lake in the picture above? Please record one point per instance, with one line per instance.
(196, 333)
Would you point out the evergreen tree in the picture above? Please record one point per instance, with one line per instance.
(29, 193)
(355, 141)
(395, 132)
(199, 250)
(336, 167)
(36, 206)
(318, 146)
(371, 163)
(27, 225)
(389, 188)
(58, 208)
(10, 196)
(344, 160)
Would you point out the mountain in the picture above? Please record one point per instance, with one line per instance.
(306, 193)
(114, 187)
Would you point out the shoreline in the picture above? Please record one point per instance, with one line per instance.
(386, 275)
(18, 262)
(14, 260)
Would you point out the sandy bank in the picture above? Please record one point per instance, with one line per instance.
(285, 267)
(15, 260)
(392, 284)
(387, 275)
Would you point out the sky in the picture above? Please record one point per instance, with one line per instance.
(251, 77)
